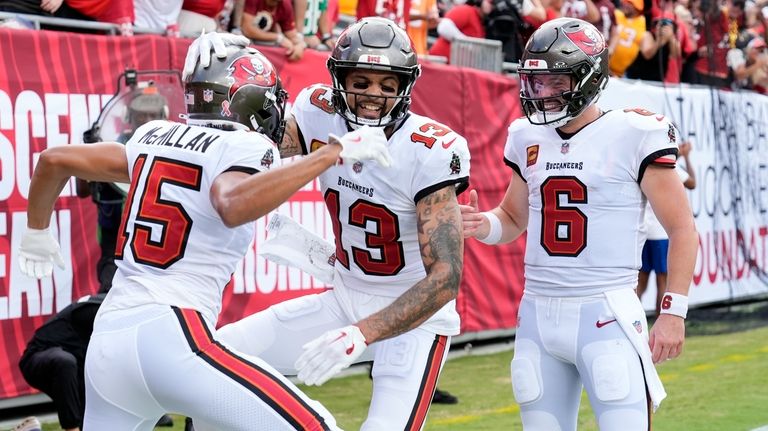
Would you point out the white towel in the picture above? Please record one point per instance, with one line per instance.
(630, 315)
(291, 244)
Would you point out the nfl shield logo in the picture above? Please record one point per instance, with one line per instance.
(357, 167)
(565, 147)
(638, 326)
(208, 95)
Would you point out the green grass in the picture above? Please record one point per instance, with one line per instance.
(720, 383)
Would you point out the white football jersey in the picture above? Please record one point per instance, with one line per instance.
(373, 209)
(586, 208)
(173, 248)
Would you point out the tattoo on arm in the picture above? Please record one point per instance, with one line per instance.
(291, 144)
(442, 251)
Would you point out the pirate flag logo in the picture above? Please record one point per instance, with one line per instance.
(268, 159)
(455, 164)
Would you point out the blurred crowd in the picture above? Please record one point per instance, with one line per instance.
(712, 42)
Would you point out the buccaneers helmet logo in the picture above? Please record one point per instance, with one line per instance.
(588, 40)
(249, 70)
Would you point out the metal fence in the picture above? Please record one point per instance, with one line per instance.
(477, 53)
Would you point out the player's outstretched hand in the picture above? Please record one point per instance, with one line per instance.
(38, 252)
(470, 216)
(201, 49)
(365, 143)
(667, 337)
(330, 353)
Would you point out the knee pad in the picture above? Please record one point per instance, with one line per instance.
(610, 377)
(609, 370)
(526, 370)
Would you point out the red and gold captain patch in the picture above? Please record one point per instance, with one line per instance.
(315, 144)
(533, 155)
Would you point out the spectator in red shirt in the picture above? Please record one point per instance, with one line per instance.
(273, 21)
(464, 20)
(715, 30)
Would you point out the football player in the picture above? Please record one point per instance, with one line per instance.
(399, 245)
(195, 189)
(580, 183)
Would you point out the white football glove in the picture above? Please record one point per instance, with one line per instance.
(365, 143)
(330, 353)
(38, 252)
(201, 49)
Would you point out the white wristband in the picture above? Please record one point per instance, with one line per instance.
(279, 39)
(494, 233)
(674, 303)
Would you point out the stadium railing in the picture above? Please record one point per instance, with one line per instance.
(36, 22)
(477, 53)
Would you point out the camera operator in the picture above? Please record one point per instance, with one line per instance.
(505, 23)
(656, 48)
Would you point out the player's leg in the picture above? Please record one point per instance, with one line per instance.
(278, 333)
(57, 373)
(405, 373)
(220, 386)
(611, 371)
(660, 267)
(645, 270)
(545, 382)
(115, 391)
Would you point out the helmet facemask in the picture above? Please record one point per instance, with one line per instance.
(573, 50)
(373, 44)
(555, 109)
(392, 107)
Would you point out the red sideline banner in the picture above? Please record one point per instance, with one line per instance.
(52, 88)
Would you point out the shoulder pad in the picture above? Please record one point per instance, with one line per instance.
(643, 119)
(317, 96)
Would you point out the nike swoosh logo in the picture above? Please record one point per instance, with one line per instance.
(448, 144)
(342, 335)
(659, 117)
(356, 139)
(600, 324)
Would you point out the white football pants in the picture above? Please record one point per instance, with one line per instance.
(149, 360)
(564, 342)
(405, 368)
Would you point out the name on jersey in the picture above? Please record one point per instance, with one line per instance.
(356, 187)
(174, 137)
(563, 165)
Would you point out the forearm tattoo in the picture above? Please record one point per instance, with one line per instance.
(442, 251)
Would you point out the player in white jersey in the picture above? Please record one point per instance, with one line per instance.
(195, 190)
(399, 247)
(580, 183)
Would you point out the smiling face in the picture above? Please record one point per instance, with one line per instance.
(371, 94)
(549, 89)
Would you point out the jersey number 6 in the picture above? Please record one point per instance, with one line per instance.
(563, 228)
